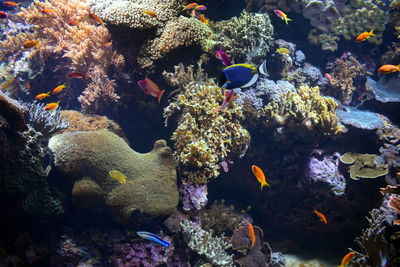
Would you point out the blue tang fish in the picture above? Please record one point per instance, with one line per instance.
(153, 238)
(241, 75)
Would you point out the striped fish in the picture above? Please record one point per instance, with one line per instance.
(153, 238)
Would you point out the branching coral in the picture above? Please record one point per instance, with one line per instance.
(343, 75)
(204, 243)
(204, 137)
(80, 45)
(306, 107)
(180, 31)
(245, 38)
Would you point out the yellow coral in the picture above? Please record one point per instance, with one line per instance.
(203, 137)
(306, 107)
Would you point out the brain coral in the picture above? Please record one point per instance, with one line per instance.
(247, 37)
(151, 177)
(203, 137)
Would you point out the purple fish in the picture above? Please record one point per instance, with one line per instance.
(223, 57)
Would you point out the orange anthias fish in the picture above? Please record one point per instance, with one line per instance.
(282, 15)
(321, 216)
(8, 83)
(52, 106)
(251, 234)
(108, 44)
(150, 88)
(58, 89)
(72, 22)
(151, 13)
(96, 18)
(347, 259)
(42, 96)
(190, 6)
(47, 11)
(3, 15)
(30, 43)
(260, 176)
(203, 19)
(10, 4)
(365, 35)
(385, 69)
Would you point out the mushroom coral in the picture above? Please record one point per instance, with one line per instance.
(363, 165)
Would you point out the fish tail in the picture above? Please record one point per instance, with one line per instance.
(372, 32)
(165, 243)
(160, 94)
(264, 184)
(263, 68)
(286, 20)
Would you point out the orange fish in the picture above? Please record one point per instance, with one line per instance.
(76, 75)
(42, 96)
(150, 88)
(203, 19)
(260, 176)
(282, 15)
(96, 18)
(58, 89)
(72, 22)
(365, 35)
(52, 106)
(10, 4)
(105, 45)
(151, 13)
(8, 83)
(385, 69)
(30, 43)
(3, 15)
(347, 258)
(321, 216)
(251, 234)
(47, 11)
(28, 85)
(190, 6)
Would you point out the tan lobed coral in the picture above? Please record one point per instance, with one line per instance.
(363, 165)
(245, 38)
(80, 45)
(305, 108)
(178, 32)
(203, 137)
(150, 178)
(343, 75)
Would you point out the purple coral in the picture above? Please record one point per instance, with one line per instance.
(194, 197)
(143, 254)
(324, 168)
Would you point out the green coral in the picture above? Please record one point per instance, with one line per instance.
(363, 165)
(328, 41)
(305, 108)
(247, 37)
(203, 137)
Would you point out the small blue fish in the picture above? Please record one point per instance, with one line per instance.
(153, 238)
(241, 75)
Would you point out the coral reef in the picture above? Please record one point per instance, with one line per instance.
(386, 89)
(193, 196)
(246, 38)
(344, 73)
(79, 48)
(363, 165)
(257, 256)
(323, 167)
(306, 107)
(151, 177)
(361, 119)
(204, 243)
(203, 137)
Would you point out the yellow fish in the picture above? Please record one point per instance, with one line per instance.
(283, 50)
(118, 176)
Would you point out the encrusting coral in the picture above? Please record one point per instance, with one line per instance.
(306, 107)
(80, 45)
(245, 38)
(343, 76)
(363, 165)
(203, 137)
(150, 177)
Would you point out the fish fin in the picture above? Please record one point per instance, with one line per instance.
(263, 68)
(252, 81)
(372, 32)
(264, 184)
(286, 20)
(160, 94)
